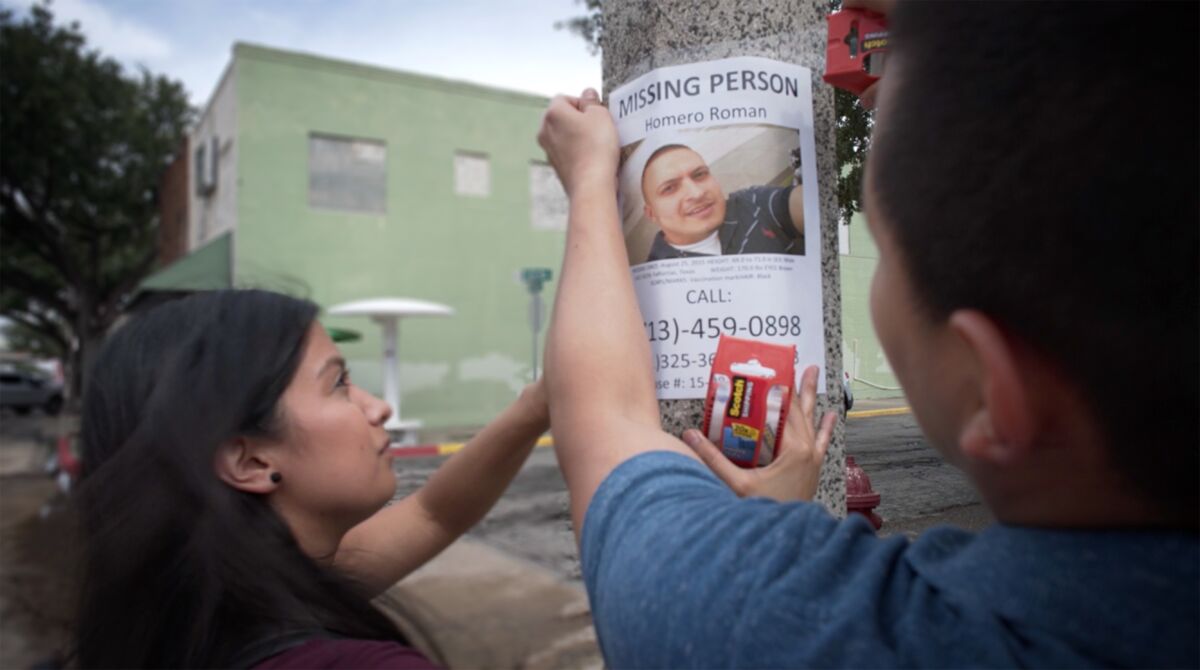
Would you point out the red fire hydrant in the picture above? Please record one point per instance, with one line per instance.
(860, 498)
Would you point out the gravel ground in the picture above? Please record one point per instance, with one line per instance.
(36, 547)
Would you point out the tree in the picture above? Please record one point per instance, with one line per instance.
(853, 125)
(590, 26)
(84, 145)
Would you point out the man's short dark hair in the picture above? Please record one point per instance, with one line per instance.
(660, 151)
(1038, 162)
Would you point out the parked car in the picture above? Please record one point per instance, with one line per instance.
(847, 391)
(23, 390)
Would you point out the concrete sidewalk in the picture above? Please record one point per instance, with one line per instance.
(474, 607)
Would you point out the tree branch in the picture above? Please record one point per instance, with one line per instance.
(45, 329)
(31, 286)
(47, 247)
(112, 300)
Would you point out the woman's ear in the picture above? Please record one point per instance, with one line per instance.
(1002, 429)
(240, 466)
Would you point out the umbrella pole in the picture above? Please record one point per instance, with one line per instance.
(391, 369)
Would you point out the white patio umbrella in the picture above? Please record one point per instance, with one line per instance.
(387, 312)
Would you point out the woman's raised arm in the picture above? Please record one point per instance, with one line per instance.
(400, 538)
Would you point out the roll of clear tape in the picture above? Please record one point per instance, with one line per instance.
(716, 418)
(767, 450)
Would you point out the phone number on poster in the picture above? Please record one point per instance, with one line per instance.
(771, 325)
(691, 360)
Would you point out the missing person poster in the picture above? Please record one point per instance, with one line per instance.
(718, 198)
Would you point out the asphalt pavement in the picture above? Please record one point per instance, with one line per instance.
(917, 488)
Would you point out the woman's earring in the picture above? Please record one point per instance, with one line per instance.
(276, 477)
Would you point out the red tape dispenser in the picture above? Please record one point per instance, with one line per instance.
(857, 46)
(749, 393)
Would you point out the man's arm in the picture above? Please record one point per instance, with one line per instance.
(603, 408)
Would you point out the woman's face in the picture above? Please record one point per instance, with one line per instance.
(333, 455)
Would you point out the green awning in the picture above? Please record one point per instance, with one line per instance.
(343, 334)
(206, 269)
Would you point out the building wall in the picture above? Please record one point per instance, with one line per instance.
(215, 212)
(861, 354)
(173, 208)
(431, 243)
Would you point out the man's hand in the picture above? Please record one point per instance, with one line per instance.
(580, 140)
(797, 467)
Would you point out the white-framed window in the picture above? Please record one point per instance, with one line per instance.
(472, 174)
(547, 199)
(206, 158)
(347, 173)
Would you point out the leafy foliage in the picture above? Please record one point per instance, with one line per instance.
(854, 121)
(84, 145)
(853, 130)
(590, 26)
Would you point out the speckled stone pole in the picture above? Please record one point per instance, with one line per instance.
(642, 35)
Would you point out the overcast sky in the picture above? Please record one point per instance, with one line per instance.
(506, 43)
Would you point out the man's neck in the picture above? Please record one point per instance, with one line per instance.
(710, 245)
(1067, 493)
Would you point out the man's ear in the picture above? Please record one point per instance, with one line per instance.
(241, 467)
(649, 212)
(1003, 427)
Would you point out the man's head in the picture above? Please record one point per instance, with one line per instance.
(1032, 184)
(682, 196)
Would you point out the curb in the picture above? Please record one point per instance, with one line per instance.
(888, 411)
(447, 448)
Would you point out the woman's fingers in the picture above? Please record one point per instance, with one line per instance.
(824, 435)
(793, 427)
(808, 392)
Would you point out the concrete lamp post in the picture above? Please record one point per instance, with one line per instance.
(640, 36)
(387, 312)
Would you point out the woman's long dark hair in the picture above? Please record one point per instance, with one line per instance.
(182, 570)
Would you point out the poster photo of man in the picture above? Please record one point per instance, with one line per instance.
(713, 191)
(719, 207)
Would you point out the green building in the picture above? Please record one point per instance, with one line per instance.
(339, 182)
(862, 356)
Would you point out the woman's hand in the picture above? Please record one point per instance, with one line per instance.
(580, 140)
(797, 467)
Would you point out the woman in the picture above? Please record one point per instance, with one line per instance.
(234, 483)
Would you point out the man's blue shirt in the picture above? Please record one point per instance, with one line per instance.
(682, 573)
